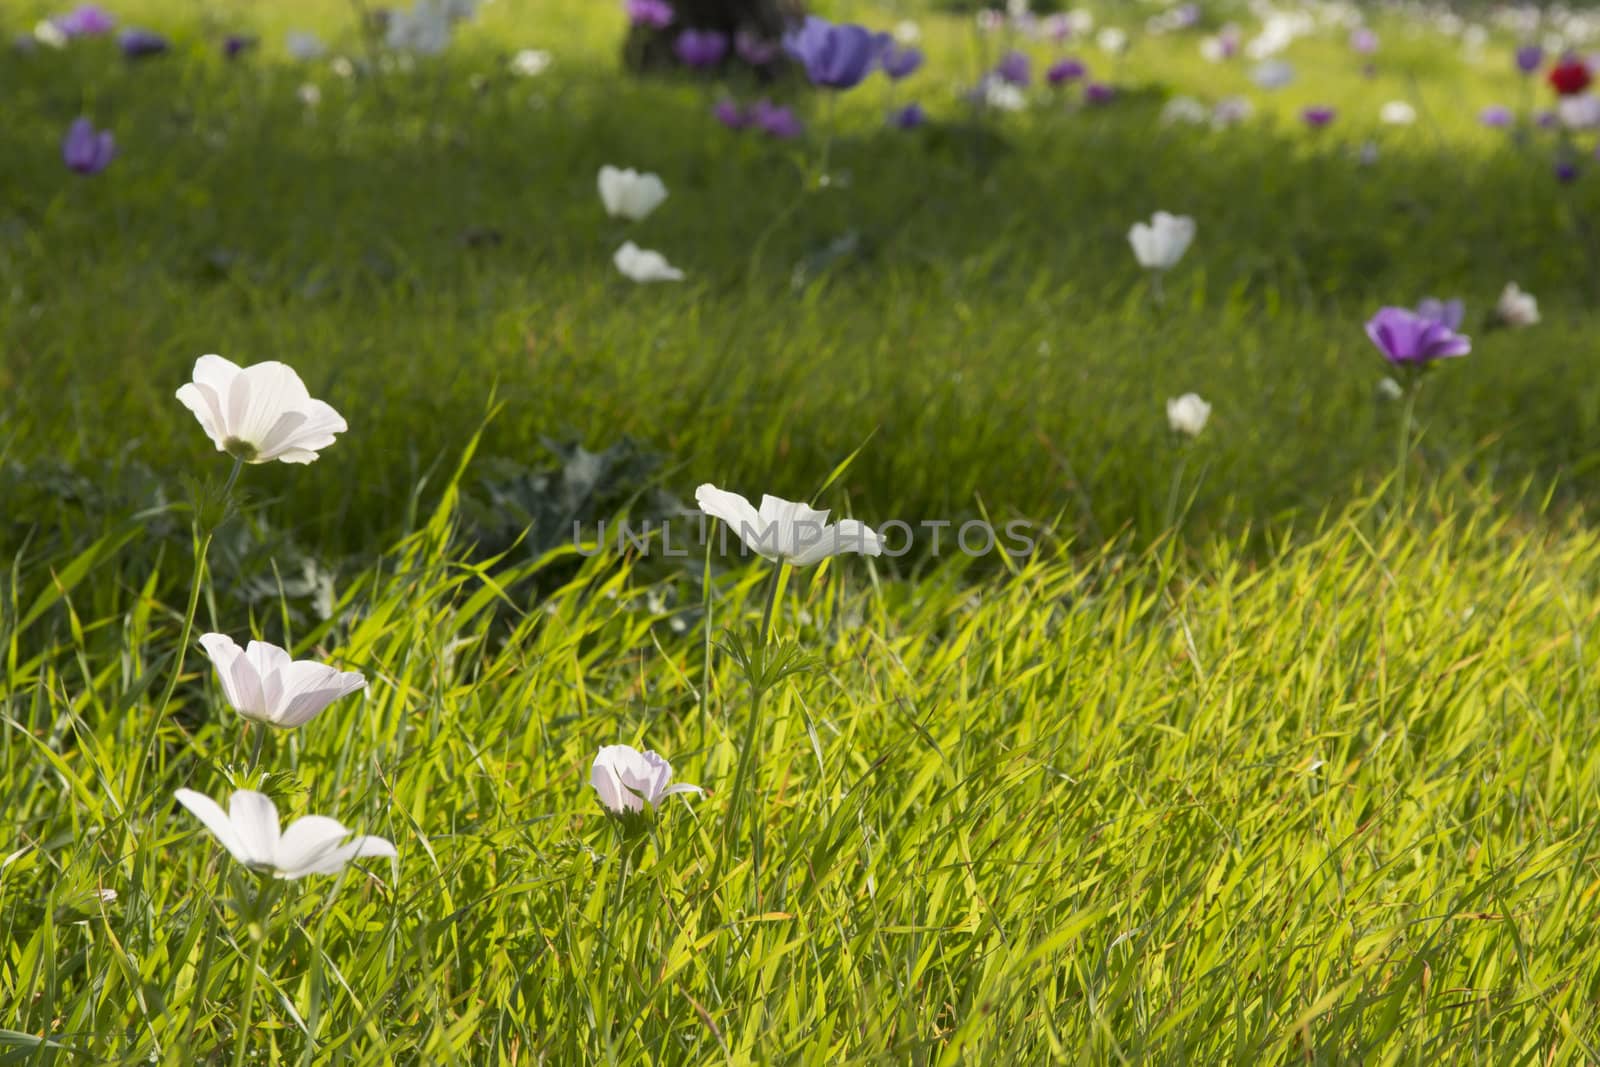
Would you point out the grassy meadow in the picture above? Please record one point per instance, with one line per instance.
(1280, 747)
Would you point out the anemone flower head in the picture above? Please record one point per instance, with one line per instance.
(730, 114)
(1099, 93)
(1013, 68)
(755, 49)
(312, 844)
(627, 780)
(86, 150)
(656, 14)
(1273, 73)
(1363, 41)
(1570, 76)
(785, 531)
(775, 120)
(643, 265)
(700, 48)
(1160, 243)
(530, 62)
(909, 117)
(1580, 111)
(259, 413)
(1496, 116)
(264, 685)
(1397, 113)
(1112, 40)
(86, 20)
(304, 45)
(1408, 339)
(1530, 57)
(1516, 308)
(139, 44)
(900, 61)
(1065, 70)
(1188, 414)
(835, 56)
(628, 194)
(1448, 312)
(1318, 116)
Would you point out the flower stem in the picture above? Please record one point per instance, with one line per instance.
(256, 929)
(827, 139)
(1177, 486)
(774, 591)
(1403, 448)
(202, 547)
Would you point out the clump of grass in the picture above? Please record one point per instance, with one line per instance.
(1335, 804)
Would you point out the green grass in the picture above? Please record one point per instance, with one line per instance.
(1275, 768)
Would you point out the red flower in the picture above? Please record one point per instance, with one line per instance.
(1570, 77)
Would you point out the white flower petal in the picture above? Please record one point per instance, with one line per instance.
(255, 819)
(307, 842)
(216, 820)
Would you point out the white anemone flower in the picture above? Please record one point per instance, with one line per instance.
(531, 62)
(312, 844)
(1188, 414)
(642, 265)
(264, 685)
(628, 194)
(626, 779)
(1185, 110)
(1161, 242)
(49, 34)
(1112, 39)
(1516, 308)
(1001, 95)
(785, 531)
(1397, 113)
(259, 413)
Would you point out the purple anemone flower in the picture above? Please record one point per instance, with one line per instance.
(1099, 93)
(1496, 116)
(701, 48)
(754, 49)
(137, 44)
(1408, 339)
(1065, 70)
(730, 114)
(900, 61)
(835, 56)
(1566, 171)
(909, 117)
(1530, 57)
(775, 121)
(656, 14)
(85, 20)
(1013, 68)
(1546, 120)
(236, 44)
(1448, 313)
(1363, 41)
(86, 150)
(1318, 115)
